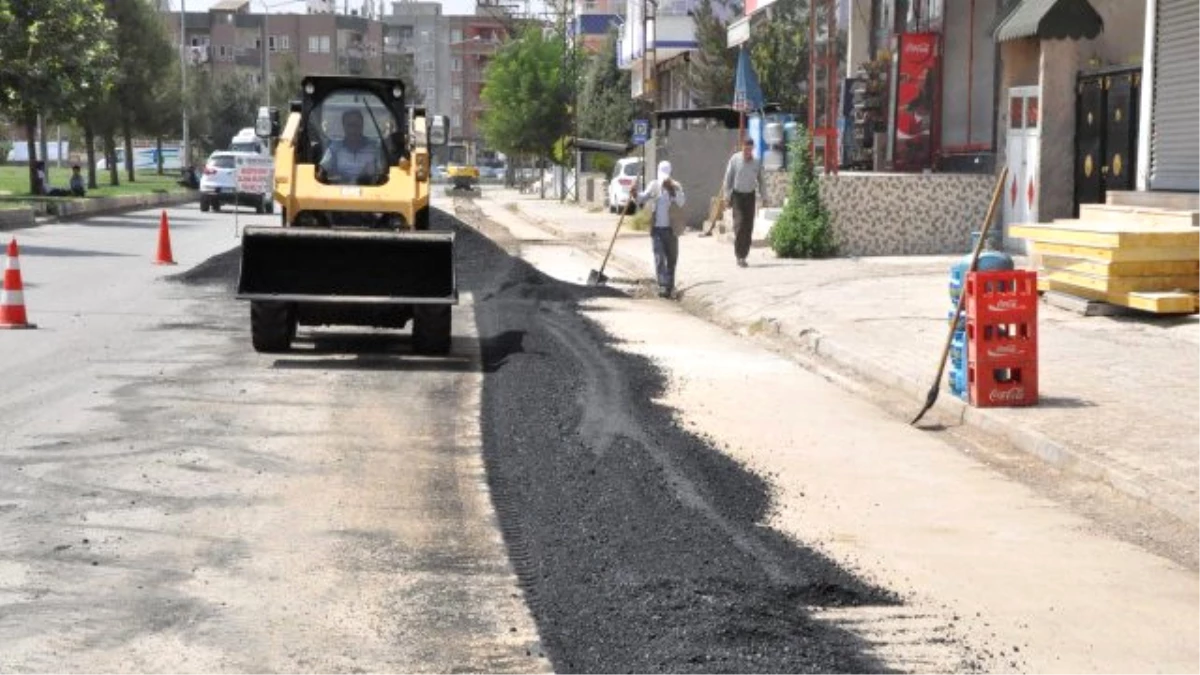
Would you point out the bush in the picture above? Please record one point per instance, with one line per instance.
(803, 229)
(603, 163)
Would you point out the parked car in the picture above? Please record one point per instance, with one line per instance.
(218, 185)
(625, 177)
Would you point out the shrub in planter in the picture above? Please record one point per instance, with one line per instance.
(803, 229)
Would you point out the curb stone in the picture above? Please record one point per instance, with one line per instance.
(811, 342)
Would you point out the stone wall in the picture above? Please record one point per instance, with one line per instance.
(878, 214)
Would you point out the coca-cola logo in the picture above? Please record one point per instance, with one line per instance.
(917, 48)
(1004, 350)
(1007, 395)
(1005, 305)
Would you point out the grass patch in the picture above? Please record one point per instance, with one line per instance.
(14, 181)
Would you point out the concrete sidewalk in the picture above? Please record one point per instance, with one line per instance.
(1119, 397)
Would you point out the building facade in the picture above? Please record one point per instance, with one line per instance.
(417, 38)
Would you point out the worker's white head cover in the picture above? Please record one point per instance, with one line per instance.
(664, 170)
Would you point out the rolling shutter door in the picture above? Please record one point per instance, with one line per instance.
(1175, 128)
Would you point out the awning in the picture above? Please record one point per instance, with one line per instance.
(1051, 20)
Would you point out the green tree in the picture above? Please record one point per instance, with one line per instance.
(713, 64)
(219, 106)
(285, 84)
(803, 229)
(604, 106)
(526, 95)
(144, 60)
(779, 53)
(53, 54)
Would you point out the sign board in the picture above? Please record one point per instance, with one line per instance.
(253, 174)
(738, 32)
(641, 132)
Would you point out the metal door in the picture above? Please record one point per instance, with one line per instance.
(1089, 141)
(1023, 148)
(1174, 134)
(1120, 130)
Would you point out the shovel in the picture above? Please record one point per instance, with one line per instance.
(596, 277)
(932, 396)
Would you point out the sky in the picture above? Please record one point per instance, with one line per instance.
(298, 6)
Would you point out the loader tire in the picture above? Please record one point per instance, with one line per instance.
(431, 329)
(272, 326)
(422, 219)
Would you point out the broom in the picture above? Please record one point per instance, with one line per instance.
(931, 397)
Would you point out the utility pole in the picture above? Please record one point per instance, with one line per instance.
(185, 151)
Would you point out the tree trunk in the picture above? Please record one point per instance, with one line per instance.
(31, 142)
(89, 140)
(110, 152)
(43, 151)
(158, 153)
(125, 129)
(541, 177)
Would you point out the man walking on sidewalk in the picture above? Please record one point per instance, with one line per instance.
(743, 178)
(666, 224)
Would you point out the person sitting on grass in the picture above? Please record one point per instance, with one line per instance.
(78, 187)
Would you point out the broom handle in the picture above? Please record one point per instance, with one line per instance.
(962, 296)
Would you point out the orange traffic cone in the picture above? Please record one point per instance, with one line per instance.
(12, 294)
(164, 242)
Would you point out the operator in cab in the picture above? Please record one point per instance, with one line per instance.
(356, 159)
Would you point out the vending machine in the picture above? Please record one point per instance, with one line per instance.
(916, 101)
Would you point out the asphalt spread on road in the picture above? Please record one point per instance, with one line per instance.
(640, 546)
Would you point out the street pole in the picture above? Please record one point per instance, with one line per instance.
(266, 54)
(185, 153)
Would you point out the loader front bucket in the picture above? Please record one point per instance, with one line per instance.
(343, 266)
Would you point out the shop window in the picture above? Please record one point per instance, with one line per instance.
(1016, 113)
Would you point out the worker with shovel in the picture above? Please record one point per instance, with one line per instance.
(667, 223)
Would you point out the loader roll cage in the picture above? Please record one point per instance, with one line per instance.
(327, 103)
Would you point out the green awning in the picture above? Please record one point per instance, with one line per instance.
(1051, 20)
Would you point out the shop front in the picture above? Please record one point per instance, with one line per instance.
(921, 93)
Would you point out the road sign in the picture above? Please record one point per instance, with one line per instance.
(253, 174)
(641, 132)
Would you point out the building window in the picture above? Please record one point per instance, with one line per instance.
(279, 43)
(457, 92)
(406, 32)
(324, 44)
(430, 95)
(456, 65)
(314, 44)
(455, 35)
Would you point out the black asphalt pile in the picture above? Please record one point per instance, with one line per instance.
(639, 544)
(220, 270)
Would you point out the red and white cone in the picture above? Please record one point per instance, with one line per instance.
(12, 295)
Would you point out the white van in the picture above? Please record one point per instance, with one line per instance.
(247, 141)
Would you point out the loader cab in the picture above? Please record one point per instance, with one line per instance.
(354, 130)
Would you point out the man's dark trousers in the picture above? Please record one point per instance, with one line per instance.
(666, 253)
(743, 222)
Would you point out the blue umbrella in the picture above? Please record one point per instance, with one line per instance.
(747, 95)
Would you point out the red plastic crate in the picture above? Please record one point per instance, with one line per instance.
(1001, 343)
(1000, 386)
(1002, 297)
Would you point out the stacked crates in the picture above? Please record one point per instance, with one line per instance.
(957, 379)
(1001, 338)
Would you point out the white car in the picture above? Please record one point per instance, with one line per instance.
(625, 176)
(218, 185)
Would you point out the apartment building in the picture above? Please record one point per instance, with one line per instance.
(474, 40)
(232, 40)
(416, 37)
(594, 19)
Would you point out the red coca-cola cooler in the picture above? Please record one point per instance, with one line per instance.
(916, 100)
